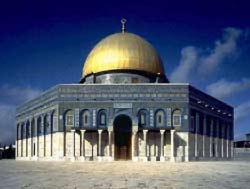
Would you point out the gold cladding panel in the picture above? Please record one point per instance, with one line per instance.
(123, 51)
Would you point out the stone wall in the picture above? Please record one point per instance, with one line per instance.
(242, 154)
(184, 147)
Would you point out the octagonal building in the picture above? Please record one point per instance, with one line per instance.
(124, 108)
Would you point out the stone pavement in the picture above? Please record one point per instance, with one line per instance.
(227, 174)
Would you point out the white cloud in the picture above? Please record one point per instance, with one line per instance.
(11, 96)
(197, 61)
(16, 95)
(224, 88)
(242, 111)
(7, 122)
(187, 64)
(222, 49)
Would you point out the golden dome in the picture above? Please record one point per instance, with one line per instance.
(123, 51)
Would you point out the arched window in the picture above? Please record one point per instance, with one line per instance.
(102, 118)
(69, 118)
(85, 118)
(176, 118)
(159, 118)
(142, 118)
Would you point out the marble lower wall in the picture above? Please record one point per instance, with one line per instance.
(209, 148)
(186, 147)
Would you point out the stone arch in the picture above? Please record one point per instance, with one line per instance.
(122, 137)
(22, 138)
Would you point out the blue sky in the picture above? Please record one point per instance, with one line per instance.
(44, 43)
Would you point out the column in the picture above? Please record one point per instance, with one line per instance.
(99, 143)
(110, 143)
(222, 141)
(228, 134)
(113, 144)
(231, 140)
(197, 118)
(133, 144)
(16, 151)
(162, 146)
(42, 136)
(37, 137)
(17, 140)
(45, 127)
(211, 138)
(204, 135)
(21, 140)
(217, 138)
(172, 158)
(51, 134)
(31, 138)
(27, 139)
(82, 143)
(17, 147)
(73, 144)
(145, 142)
(24, 140)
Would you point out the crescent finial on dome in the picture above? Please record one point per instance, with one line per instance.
(123, 21)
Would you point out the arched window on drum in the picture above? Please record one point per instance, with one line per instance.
(176, 118)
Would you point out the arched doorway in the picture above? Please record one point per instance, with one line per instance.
(122, 131)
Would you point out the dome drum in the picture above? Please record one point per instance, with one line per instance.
(124, 76)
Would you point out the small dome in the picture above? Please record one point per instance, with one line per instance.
(123, 51)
